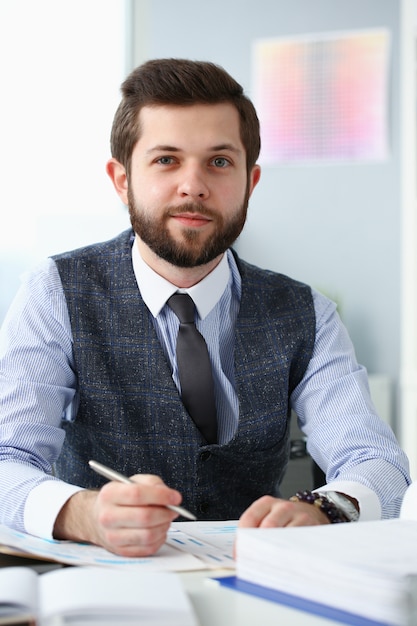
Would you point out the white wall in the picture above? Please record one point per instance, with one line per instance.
(408, 321)
(335, 227)
(61, 65)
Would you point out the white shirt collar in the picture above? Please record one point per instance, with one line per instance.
(156, 290)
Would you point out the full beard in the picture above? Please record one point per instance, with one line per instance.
(193, 249)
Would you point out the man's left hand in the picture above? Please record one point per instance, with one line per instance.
(269, 512)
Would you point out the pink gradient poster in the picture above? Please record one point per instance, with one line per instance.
(323, 98)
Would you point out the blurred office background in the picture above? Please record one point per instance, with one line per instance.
(346, 227)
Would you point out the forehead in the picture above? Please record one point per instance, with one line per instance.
(198, 122)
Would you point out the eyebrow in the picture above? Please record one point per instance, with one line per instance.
(225, 146)
(219, 148)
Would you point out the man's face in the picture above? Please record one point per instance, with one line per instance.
(188, 190)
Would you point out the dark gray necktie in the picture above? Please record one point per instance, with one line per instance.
(194, 368)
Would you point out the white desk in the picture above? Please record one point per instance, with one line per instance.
(218, 606)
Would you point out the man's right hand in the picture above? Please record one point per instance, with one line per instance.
(129, 520)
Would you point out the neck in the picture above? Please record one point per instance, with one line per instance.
(182, 277)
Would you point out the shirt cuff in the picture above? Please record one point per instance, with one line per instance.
(369, 505)
(43, 505)
(409, 505)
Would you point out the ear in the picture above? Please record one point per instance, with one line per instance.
(117, 174)
(255, 175)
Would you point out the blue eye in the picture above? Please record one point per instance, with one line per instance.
(221, 162)
(165, 160)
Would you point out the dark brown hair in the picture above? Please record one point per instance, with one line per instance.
(179, 82)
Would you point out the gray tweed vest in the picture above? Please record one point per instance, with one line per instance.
(130, 414)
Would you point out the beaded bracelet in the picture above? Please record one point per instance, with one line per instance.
(333, 513)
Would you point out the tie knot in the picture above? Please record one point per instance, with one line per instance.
(183, 306)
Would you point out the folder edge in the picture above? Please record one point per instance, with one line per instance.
(296, 602)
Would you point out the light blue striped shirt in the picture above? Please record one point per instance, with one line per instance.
(38, 388)
(217, 299)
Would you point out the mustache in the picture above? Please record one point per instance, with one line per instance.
(191, 208)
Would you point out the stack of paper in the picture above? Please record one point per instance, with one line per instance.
(358, 569)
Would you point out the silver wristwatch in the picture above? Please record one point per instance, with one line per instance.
(343, 503)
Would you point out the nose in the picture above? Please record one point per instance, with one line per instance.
(192, 183)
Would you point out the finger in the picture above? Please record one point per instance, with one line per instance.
(144, 492)
(136, 517)
(307, 515)
(268, 512)
(162, 490)
(147, 479)
(135, 542)
(115, 509)
(257, 512)
(285, 513)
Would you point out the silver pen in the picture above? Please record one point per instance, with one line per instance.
(113, 475)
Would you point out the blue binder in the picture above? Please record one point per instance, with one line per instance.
(296, 602)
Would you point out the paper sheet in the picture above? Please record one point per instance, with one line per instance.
(212, 542)
(190, 546)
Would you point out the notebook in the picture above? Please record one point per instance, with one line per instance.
(94, 595)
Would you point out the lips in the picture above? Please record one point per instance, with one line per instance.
(192, 220)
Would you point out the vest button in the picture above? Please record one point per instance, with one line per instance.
(204, 507)
(204, 456)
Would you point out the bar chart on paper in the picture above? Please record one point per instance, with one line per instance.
(212, 542)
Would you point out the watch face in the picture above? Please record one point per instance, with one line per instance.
(344, 504)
